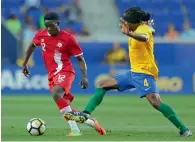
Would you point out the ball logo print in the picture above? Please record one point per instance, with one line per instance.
(61, 78)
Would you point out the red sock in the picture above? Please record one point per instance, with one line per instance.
(65, 97)
(74, 110)
(69, 97)
(62, 103)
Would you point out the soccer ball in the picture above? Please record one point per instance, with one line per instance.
(36, 127)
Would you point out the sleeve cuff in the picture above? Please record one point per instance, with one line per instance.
(34, 44)
(78, 54)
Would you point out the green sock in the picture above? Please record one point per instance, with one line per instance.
(170, 114)
(95, 100)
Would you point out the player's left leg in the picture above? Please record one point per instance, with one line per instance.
(146, 86)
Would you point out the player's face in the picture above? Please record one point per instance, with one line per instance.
(52, 27)
(131, 26)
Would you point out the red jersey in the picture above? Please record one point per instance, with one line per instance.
(57, 50)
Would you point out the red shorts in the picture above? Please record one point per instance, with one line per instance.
(65, 80)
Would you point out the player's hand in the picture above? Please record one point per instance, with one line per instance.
(151, 22)
(84, 83)
(25, 70)
(124, 27)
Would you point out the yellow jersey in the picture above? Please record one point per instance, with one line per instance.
(142, 53)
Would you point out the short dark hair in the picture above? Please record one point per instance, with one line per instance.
(135, 15)
(51, 16)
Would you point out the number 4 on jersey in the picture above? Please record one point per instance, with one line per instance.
(146, 83)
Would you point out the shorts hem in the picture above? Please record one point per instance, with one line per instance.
(148, 94)
(120, 90)
(63, 87)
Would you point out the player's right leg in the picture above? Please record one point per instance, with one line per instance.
(146, 86)
(169, 113)
(121, 82)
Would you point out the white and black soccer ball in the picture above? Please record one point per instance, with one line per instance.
(36, 127)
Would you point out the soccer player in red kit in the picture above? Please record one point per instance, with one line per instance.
(57, 48)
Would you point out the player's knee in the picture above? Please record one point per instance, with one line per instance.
(58, 92)
(155, 104)
(100, 84)
(56, 95)
(155, 101)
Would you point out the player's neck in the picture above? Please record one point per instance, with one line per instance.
(58, 32)
(136, 26)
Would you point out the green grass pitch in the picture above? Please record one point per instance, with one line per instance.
(124, 117)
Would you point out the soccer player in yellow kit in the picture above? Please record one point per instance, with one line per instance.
(143, 73)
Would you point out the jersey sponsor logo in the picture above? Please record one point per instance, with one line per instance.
(59, 44)
(61, 78)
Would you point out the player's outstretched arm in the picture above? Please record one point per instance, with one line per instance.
(28, 54)
(126, 30)
(83, 68)
(139, 37)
